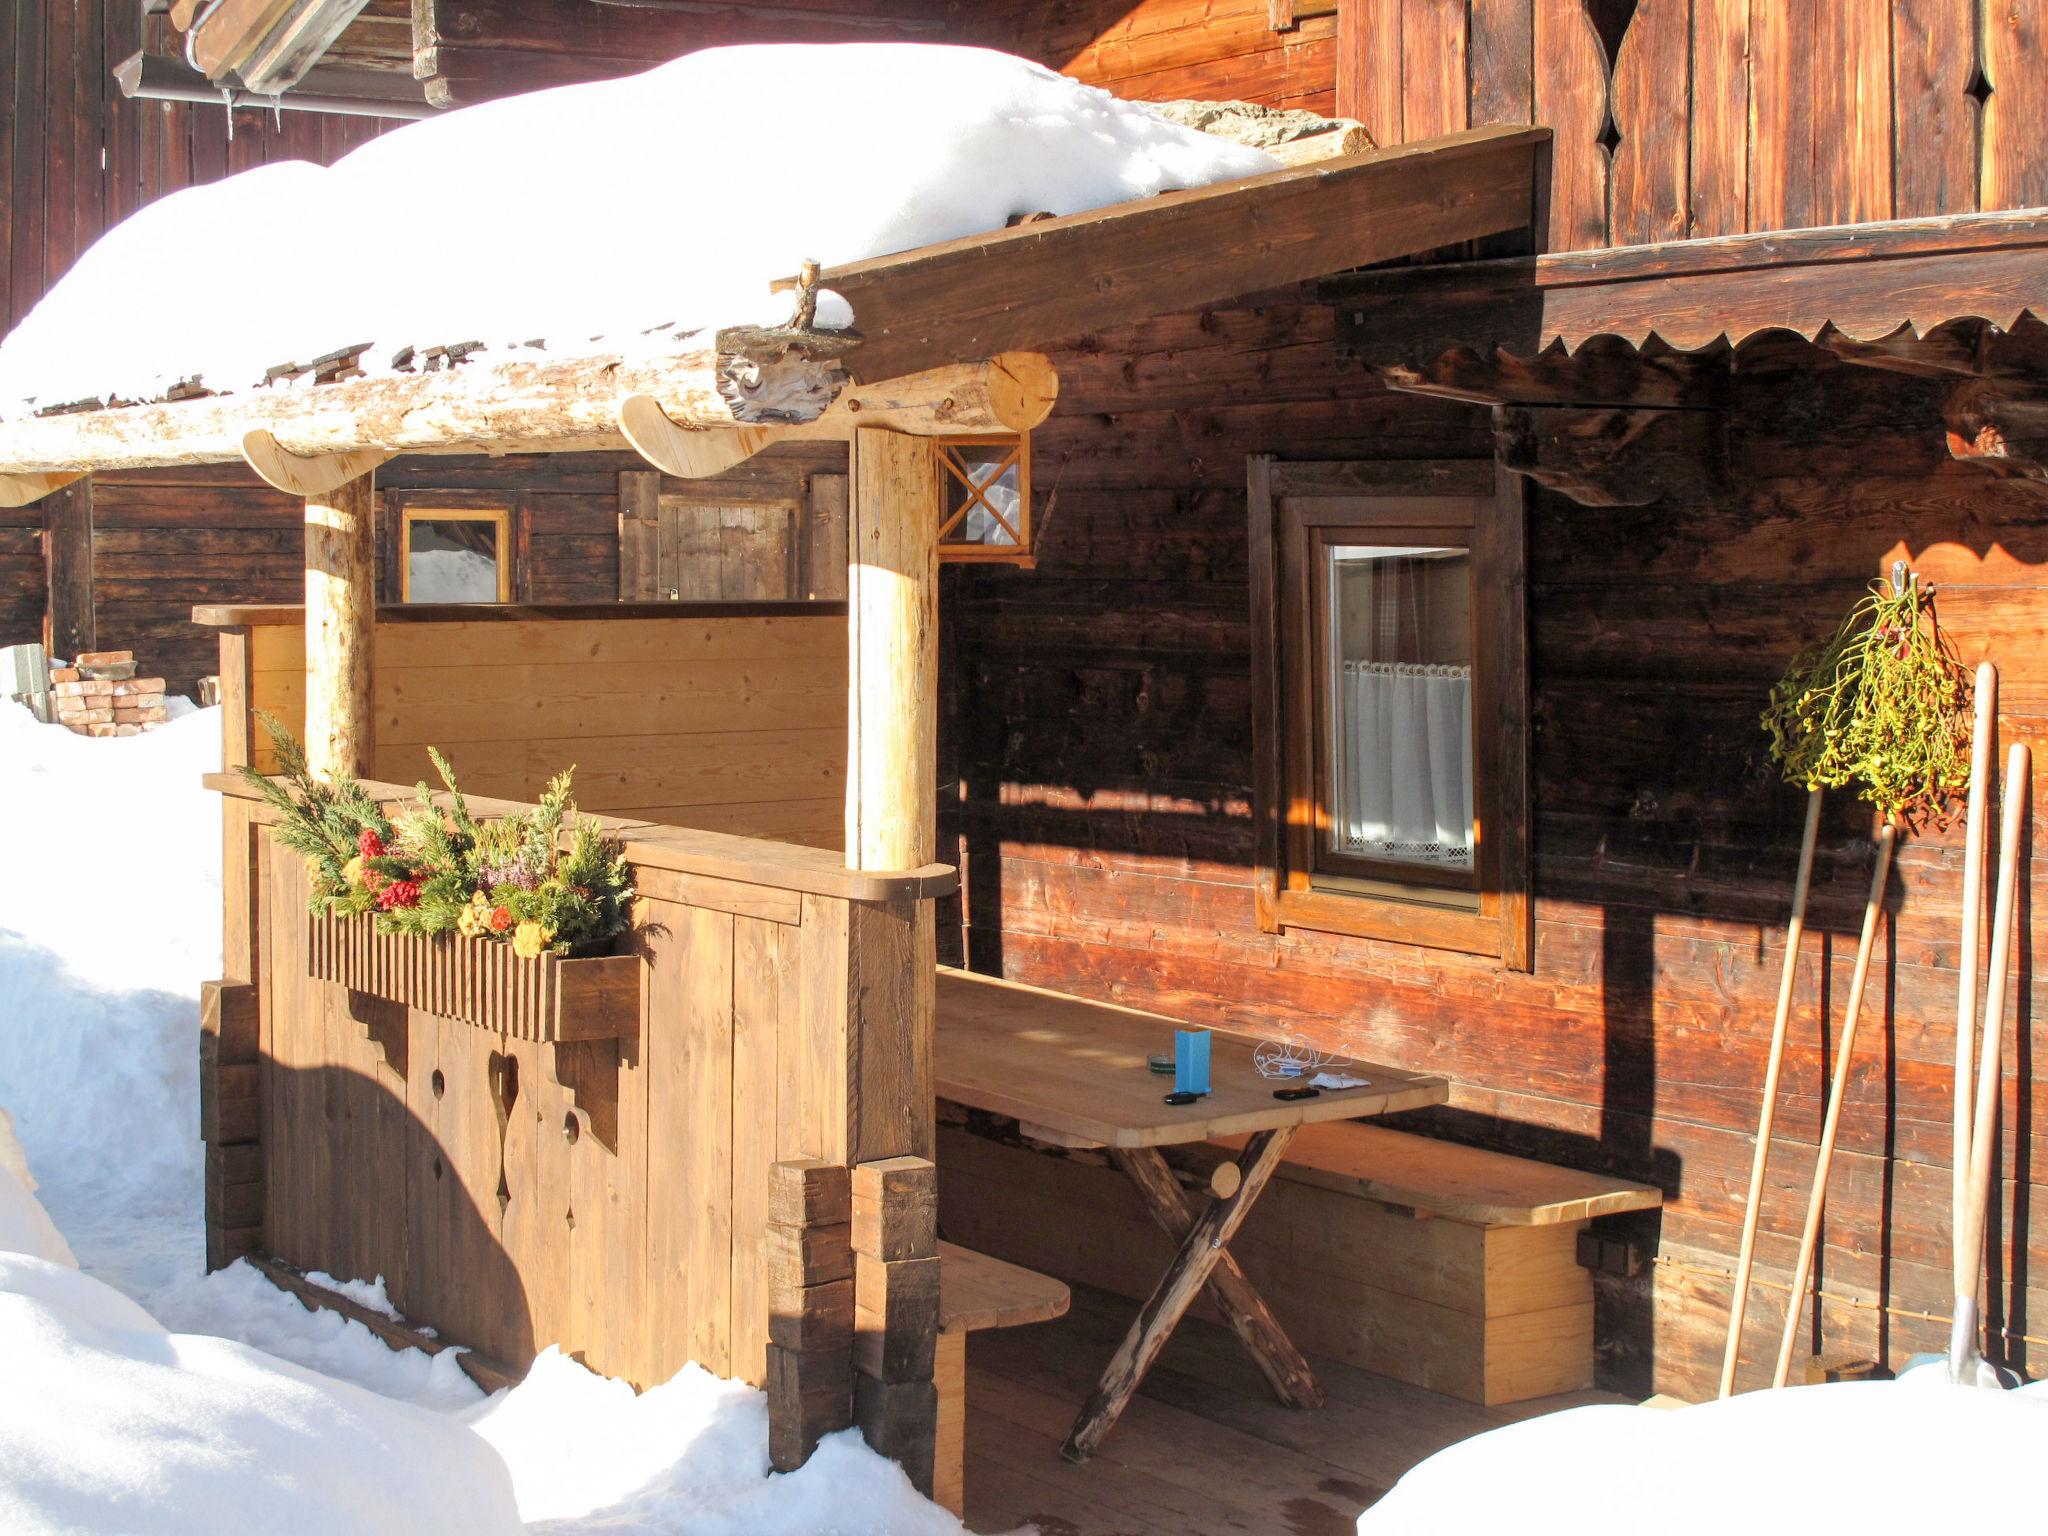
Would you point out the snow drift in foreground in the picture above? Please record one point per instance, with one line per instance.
(141, 1397)
(600, 210)
(1912, 1455)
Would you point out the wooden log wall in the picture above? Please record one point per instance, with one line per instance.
(1677, 118)
(733, 724)
(150, 544)
(1098, 722)
(1164, 50)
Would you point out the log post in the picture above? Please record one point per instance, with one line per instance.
(893, 650)
(891, 824)
(891, 787)
(341, 609)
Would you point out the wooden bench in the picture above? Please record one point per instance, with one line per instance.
(976, 1292)
(1433, 1263)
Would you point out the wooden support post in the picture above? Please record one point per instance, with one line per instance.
(892, 756)
(810, 1309)
(891, 785)
(896, 1311)
(341, 608)
(229, 1122)
(70, 626)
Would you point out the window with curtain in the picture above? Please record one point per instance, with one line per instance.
(1400, 740)
(1390, 702)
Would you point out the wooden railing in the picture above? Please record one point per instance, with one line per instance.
(609, 1196)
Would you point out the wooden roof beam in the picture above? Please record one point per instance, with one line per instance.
(1011, 393)
(1050, 281)
(545, 405)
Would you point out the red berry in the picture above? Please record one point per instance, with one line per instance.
(399, 893)
(369, 844)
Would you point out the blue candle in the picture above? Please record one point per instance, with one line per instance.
(1191, 1061)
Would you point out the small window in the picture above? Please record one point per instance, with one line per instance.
(1391, 707)
(455, 555)
(985, 499)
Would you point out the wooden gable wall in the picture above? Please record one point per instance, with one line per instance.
(1681, 118)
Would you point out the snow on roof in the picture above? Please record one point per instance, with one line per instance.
(584, 217)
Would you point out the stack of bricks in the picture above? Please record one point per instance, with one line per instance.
(100, 695)
(896, 1311)
(809, 1252)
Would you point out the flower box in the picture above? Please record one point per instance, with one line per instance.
(548, 998)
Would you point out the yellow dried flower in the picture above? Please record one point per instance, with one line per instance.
(472, 921)
(529, 939)
(352, 871)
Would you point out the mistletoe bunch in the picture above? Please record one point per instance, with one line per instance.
(432, 870)
(1883, 702)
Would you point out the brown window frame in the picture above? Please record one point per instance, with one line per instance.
(1296, 509)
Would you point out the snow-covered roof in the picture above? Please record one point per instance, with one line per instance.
(616, 217)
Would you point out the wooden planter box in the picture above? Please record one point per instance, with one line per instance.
(547, 999)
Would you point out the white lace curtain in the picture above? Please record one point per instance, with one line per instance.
(1405, 763)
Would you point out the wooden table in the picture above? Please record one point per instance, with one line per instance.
(1074, 1073)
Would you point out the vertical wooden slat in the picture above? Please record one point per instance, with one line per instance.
(1571, 98)
(1719, 161)
(2015, 55)
(1781, 193)
(27, 194)
(1852, 106)
(825, 547)
(1369, 65)
(1652, 116)
(67, 570)
(639, 535)
(1502, 46)
(1934, 133)
(756, 1117)
(1434, 98)
(60, 139)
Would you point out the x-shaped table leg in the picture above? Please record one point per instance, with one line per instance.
(1203, 1260)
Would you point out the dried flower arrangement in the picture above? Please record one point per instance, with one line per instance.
(505, 879)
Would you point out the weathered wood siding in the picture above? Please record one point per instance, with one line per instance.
(1100, 728)
(1677, 118)
(731, 724)
(1164, 50)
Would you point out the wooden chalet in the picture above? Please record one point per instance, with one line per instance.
(1672, 325)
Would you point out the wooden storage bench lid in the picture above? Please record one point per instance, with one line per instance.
(977, 1291)
(1491, 1189)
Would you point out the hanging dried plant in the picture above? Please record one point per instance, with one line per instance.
(1884, 703)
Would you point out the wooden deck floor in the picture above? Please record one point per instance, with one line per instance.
(1204, 1449)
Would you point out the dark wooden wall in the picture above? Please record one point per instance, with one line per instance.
(1099, 722)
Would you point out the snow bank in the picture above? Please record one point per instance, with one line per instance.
(1910, 1455)
(688, 1456)
(109, 1424)
(733, 166)
(109, 920)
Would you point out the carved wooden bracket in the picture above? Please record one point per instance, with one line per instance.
(1613, 458)
(2000, 425)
